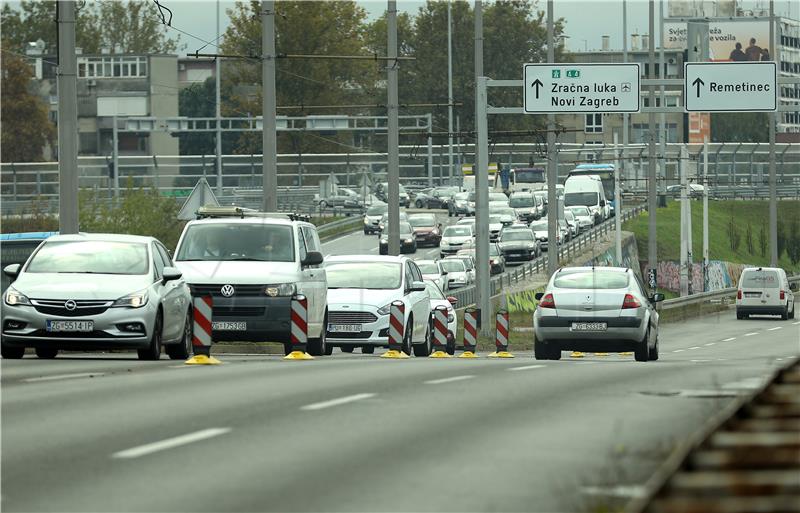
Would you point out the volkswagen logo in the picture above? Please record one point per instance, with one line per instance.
(70, 305)
(227, 290)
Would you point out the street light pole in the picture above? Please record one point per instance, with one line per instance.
(269, 136)
(552, 169)
(67, 83)
(450, 92)
(393, 149)
(218, 111)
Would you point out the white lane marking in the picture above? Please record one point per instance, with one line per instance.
(796, 323)
(729, 339)
(169, 443)
(616, 491)
(448, 380)
(65, 376)
(694, 347)
(710, 344)
(700, 361)
(679, 350)
(775, 328)
(336, 402)
(526, 367)
(751, 334)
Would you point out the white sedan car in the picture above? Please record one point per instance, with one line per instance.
(361, 290)
(431, 270)
(438, 299)
(582, 216)
(457, 274)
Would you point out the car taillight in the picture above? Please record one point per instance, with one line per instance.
(630, 302)
(739, 294)
(547, 301)
(783, 295)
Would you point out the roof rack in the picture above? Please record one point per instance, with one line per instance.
(208, 212)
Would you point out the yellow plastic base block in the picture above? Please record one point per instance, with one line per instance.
(576, 354)
(393, 353)
(201, 359)
(626, 353)
(501, 354)
(439, 354)
(468, 354)
(298, 355)
(601, 354)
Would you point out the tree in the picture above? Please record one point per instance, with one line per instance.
(26, 127)
(793, 242)
(740, 127)
(197, 101)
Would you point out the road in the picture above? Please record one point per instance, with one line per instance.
(360, 433)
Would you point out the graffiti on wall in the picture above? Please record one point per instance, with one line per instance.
(721, 275)
(630, 256)
(522, 301)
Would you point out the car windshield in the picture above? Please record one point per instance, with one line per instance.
(495, 220)
(453, 265)
(363, 275)
(237, 241)
(417, 221)
(521, 201)
(377, 210)
(569, 216)
(760, 279)
(596, 279)
(461, 196)
(516, 235)
(457, 231)
(580, 211)
(580, 198)
(90, 257)
(529, 175)
(541, 226)
(498, 196)
(433, 290)
(428, 267)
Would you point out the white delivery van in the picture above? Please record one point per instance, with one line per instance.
(765, 290)
(587, 191)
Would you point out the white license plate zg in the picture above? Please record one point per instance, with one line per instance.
(229, 326)
(589, 326)
(74, 326)
(344, 328)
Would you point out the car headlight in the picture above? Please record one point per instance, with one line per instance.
(14, 298)
(135, 300)
(366, 220)
(445, 243)
(384, 241)
(408, 241)
(531, 245)
(435, 231)
(471, 204)
(384, 310)
(281, 289)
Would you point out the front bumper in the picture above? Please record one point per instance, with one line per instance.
(428, 238)
(268, 318)
(371, 334)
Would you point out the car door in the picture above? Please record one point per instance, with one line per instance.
(651, 307)
(315, 282)
(174, 299)
(160, 291)
(421, 304)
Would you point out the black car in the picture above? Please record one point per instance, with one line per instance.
(408, 243)
(382, 192)
(518, 244)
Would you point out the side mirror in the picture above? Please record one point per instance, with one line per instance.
(793, 287)
(602, 203)
(657, 298)
(539, 296)
(171, 274)
(417, 286)
(12, 270)
(312, 258)
(453, 300)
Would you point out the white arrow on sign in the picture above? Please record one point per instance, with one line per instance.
(730, 86)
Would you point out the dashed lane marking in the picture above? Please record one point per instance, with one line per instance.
(775, 328)
(710, 344)
(526, 367)
(169, 443)
(679, 350)
(729, 339)
(751, 334)
(448, 380)
(694, 347)
(336, 402)
(65, 376)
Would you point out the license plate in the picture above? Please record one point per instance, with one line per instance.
(752, 294)
(344, 328)
(77, 326)
(589, 326)
(229, 326)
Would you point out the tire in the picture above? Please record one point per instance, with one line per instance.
(794, 307)
(408, 337)
(540, 350)
(323, 205)
(46, 353)
(641, 351)
(182, 349)
(153, 351)
(785, 314)
(366, 232)
(652, 354)
(287, 348)
(423, 350)
(740, 316)
(367, 349)
(318, 346)
(347, 349)
(554, 352)
(12, 352)
(418, 204)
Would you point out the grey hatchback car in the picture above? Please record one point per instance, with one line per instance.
(596, 309)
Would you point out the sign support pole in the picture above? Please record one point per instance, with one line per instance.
(652, 245)
(774, 118)
(684, 276)
(481, 172)
(393, 151)
(617, 204)
(552, 171)
(705, 214)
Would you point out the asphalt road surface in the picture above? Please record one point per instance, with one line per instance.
(360, 433)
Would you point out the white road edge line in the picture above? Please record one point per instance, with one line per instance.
(679, 350)
(775, 328)
(336, 402)
(526, 367)
(65, 376)
(710, 344)
(169, 443)
(695, 347)
(751, 334)
(449, 380)
(729, 339)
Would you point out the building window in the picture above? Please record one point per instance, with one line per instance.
(594, 124)
(112, 67)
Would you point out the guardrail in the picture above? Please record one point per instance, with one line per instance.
(329, 230)
(704, 297)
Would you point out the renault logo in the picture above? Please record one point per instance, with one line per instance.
(70, 305)
(227, 290)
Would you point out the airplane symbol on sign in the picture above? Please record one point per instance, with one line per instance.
(626, 87)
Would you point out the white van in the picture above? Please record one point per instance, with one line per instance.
(765, 290)
(587, 191)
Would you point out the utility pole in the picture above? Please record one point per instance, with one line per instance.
(705, 214)
(684, 261)
(663, 132)
(652, 246)
(269, 136)
(625, 116)
(67, 119)
(617, 204)
(552, 167)
(774, 118)
(393, 150)
(481, 171)
(218, 111)
(450, 91)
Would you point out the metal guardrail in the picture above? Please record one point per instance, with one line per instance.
(329, 229)
(707, 297)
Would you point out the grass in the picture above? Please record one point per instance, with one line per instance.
(754, 214)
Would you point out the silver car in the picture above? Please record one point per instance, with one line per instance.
(97, 291)
(596, 309)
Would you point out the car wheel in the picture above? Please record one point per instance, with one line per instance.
(541, 350)
(652, 354)
(739, 316)
(153, 351)
(347, 349)
(641, 351)
(794, 307)
(785, 313)
(12, 352)
(366, 232)
(408, 337)
(418, 204)
(367, 349)
(183, 349)
(450, 348)
(425, 349)
(553, 352)
(323, 205)
(47, 353)
(319, 346)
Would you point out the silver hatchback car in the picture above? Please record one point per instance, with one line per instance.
(596, 309)
(97, 291)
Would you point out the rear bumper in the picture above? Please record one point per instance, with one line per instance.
(518, 256)
(760, 309)
(622, 333)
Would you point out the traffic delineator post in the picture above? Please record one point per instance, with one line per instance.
(439, 333)
(576, 354)
(501, 336)
(299, 329)
(202, 310)
(470, 333)
(397, 318)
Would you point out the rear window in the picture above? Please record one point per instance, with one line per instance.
(591, 280)
(760, 280)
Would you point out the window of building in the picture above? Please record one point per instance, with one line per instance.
(594, 124)
(112, 67)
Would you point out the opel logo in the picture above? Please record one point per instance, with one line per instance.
(70, 305)
(227, 290)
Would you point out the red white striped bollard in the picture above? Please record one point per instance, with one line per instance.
(470, 333)
(299, 329)
(202, 310)
(397, 319)
(440, 332)
(501, 336)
